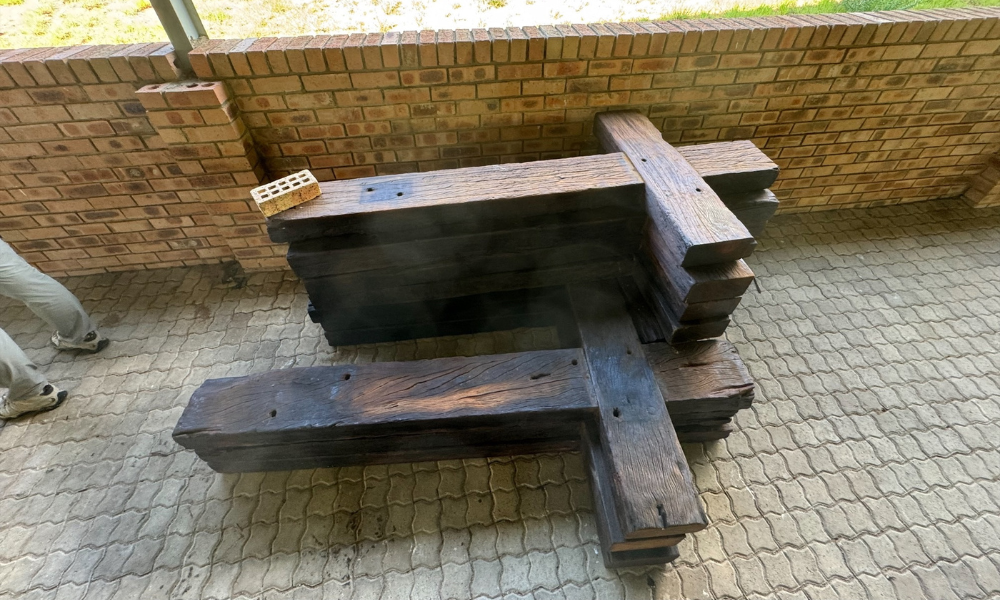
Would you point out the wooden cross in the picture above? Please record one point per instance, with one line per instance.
(628, 254)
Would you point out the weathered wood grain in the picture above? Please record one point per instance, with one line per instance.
(700, 377)
(731, 167)
(354, 405)
(680, 204)
(687, 285)
(666, 308)
(650, 481)
(644, 319)
(470, 200)
(649, 326)
(616, 550)
(754, 209)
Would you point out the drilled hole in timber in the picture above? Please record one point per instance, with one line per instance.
(616, 412)
(347, 376)
(274, 413)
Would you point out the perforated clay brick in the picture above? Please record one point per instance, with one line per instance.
(285, 193)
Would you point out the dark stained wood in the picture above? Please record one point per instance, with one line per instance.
(680, 204)
(704, 385)
(616, 550)
(315, 258)
(690, 332)
(487, 248)
(350, 398)
(731, 167)
(461, 201)
(586, 263)
(644, 319)
(524, 436)
(479, 306)
(666, 308)
(686, 285)
(697, 434)
(382, 403)
(394, 333)
(640, 558)
(650, 481)
(701, 376)
(689, 323)
(533, 307)
(754, 209)
(700, 370)
(709, 310)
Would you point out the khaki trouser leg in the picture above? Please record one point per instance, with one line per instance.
(17, 372)
(45, 296)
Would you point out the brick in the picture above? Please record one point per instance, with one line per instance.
(498, 90)
(375, 80)
(501, 44)
(285, 193)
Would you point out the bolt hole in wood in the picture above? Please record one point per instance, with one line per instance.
(347, 376)
(371, 189)
(274, 413)
(663, 514)
(573, 362)
(697, 189)
(616, 412)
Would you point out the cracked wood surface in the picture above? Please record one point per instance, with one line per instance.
(696, 226)
(476, 199)
(649, 477)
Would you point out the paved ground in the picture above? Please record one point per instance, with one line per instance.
(868, 468)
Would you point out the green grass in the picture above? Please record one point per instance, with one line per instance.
(790, 7)
(30, 23)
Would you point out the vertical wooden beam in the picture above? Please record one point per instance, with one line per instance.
(650, 484)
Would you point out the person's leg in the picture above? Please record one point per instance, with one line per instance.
(27, 389)
(45, 296)
(17, 373)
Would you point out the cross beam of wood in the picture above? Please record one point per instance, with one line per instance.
(421, 247)
(648, 482)
(448, 408)
(621, 252)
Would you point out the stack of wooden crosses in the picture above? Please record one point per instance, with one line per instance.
(635, 256)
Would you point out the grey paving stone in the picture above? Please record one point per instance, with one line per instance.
(868, 467)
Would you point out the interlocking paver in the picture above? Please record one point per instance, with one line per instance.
(867, 468)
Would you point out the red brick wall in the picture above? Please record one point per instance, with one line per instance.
(857, 109)
(86, 183)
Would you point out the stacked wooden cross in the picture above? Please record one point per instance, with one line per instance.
(628, 254)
